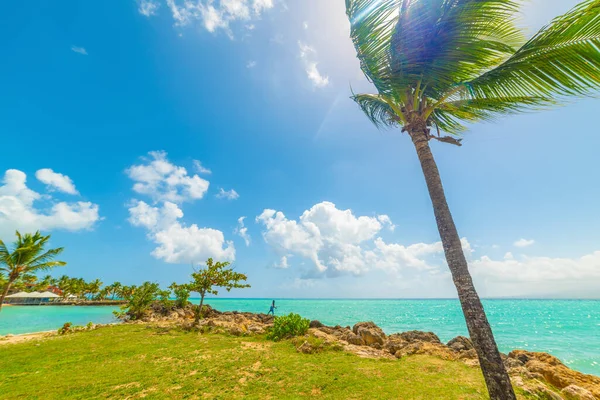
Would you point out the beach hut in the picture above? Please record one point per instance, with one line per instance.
(31, 298)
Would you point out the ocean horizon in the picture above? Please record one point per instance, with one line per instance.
(565, 328)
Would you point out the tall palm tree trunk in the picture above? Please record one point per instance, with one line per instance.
(4, 293)
(494, 372)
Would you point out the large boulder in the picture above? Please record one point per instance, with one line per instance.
(573, 392)
(316, 324)
(418, 336)
(370, 333)
(394, 343)
(553, 371)
(460, 343)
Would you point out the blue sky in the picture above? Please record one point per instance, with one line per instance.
(99, 96)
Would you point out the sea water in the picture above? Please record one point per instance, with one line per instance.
(567, 329)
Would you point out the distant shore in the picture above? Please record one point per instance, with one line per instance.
(73, 303)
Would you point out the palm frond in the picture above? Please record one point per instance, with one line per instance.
(563, 59)
(379, 111)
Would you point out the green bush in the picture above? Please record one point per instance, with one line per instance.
(288, 326)
(141, 299)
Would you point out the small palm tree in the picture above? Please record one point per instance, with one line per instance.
(93, 288)
(28, 257)
(439, 63)
(115, 289)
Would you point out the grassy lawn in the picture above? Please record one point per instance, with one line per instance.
(135, 361)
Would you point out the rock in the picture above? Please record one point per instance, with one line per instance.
(427, 348)
(468, 355)
(460, 343)
(370, 333)
(306, 348)
(543, 365)
(394, 343)
(255, 328)
(418, 336)
(352, 338)
(573, 392)
(316, 324)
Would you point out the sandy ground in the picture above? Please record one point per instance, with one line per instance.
(10, 339)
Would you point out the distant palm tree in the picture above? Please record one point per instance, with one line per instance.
(115, 289)
(439, 63)
(93, 288)
(27, 257)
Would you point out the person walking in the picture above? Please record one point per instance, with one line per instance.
(272, 309)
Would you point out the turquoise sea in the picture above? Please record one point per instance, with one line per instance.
(568, 329)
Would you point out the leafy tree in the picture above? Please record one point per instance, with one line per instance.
(27, 257)
(215, 275)
(437, 64)
(141, 298)
(182, 294)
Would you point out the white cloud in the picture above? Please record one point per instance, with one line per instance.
(200, 168)
(148, 8)
(228, 194)
(524, 243)
(283, 263)
(242, 231)
(261, 5)
(163, 181)
(176, 242)
(385, 220)
(251, 64)
(215, 15)
(305, 25)
(337, 241)
(541, 276)
(308, 55)
(56, 181)
(19, 211)
(80, 50)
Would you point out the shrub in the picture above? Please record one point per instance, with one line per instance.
(288, 326)
(66, 328)
(141, 300)
(182, 294)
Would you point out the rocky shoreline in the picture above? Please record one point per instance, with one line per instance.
(538, 373)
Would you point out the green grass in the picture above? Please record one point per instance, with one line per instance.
(135, 361)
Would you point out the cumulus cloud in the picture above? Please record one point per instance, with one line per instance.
(217, 15)
(251, 64)
(176, 242)
(20, 207)
(524, 243)
(228, 194)
(337, 241)
(161, 180)
(56, 181)
(308, 56)
(169, 185)
(148, 8)
(79, 50)
(242, 231)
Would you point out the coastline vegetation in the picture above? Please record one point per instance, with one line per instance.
(28, 256)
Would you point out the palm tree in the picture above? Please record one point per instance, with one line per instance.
(93, 288)
(115, 289)
(28, 257)
(439, 63)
